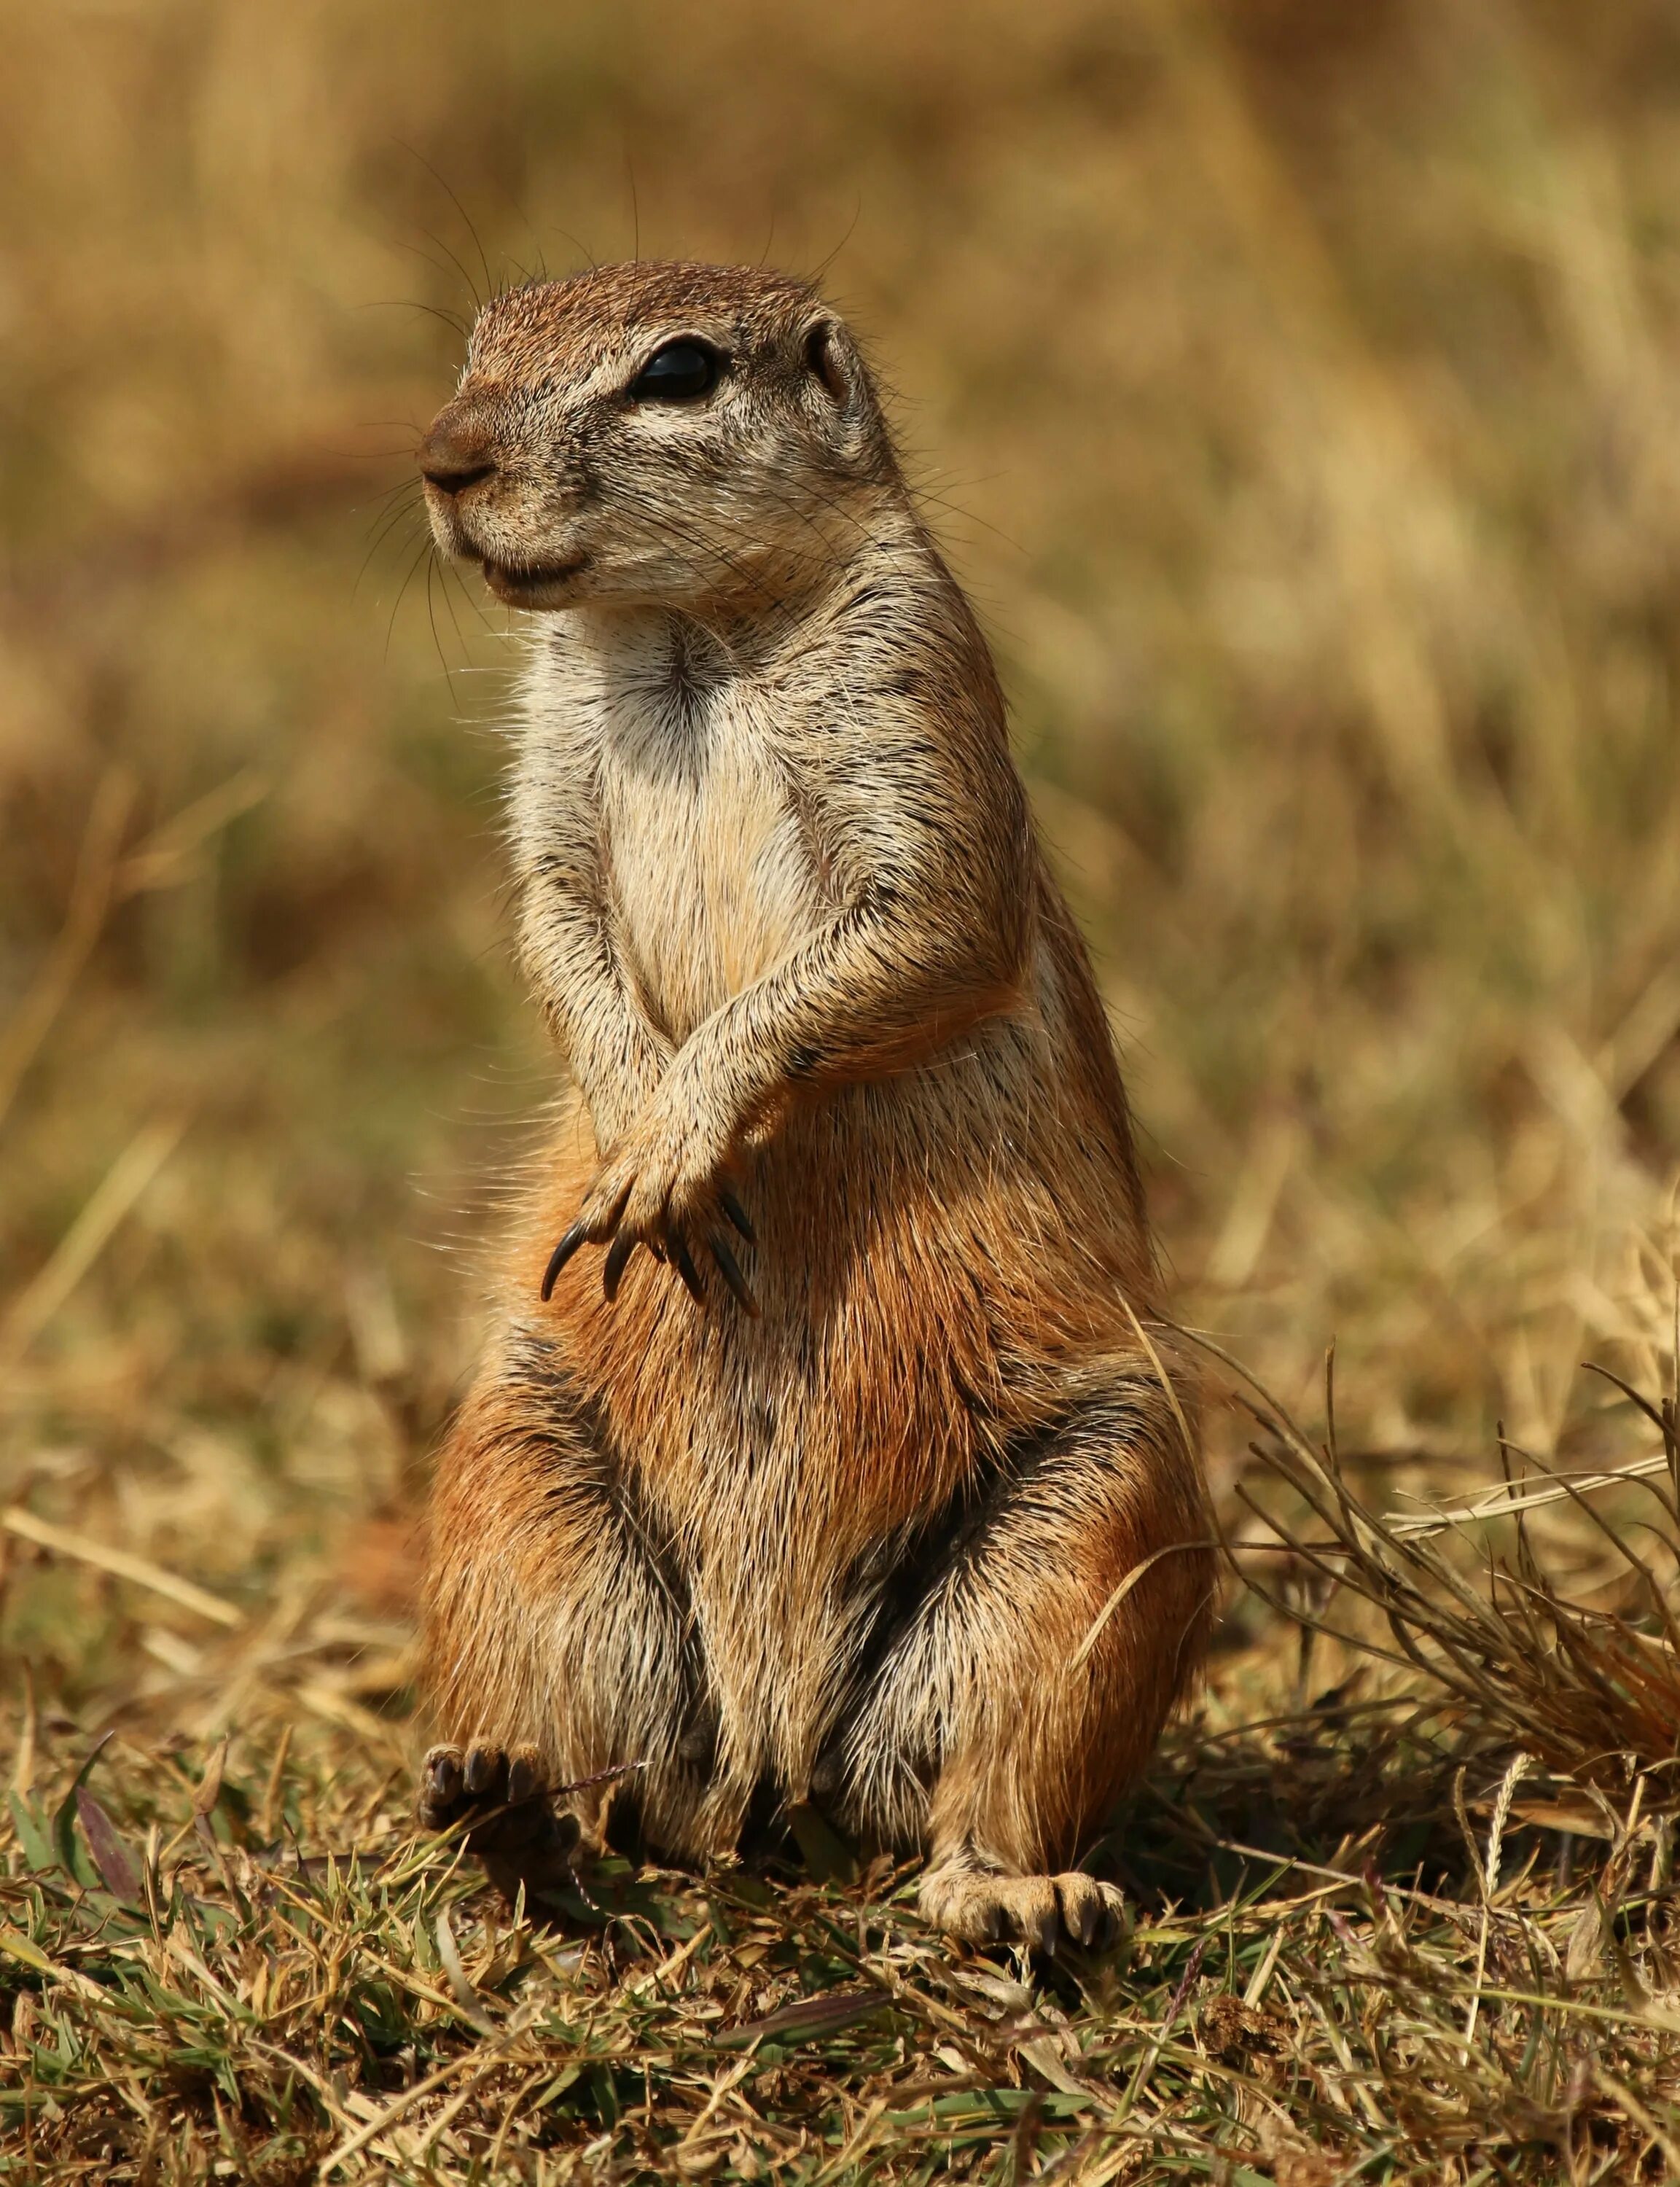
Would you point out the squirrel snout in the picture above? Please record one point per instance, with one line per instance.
(456, 453)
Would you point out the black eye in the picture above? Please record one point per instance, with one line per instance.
(678, 373)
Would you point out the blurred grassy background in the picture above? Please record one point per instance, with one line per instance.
(1293, 385)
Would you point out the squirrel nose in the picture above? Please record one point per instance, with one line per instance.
(455, 454)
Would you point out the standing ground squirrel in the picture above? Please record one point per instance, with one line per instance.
(819, 1498)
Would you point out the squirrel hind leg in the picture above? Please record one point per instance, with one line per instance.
(1025, 1686)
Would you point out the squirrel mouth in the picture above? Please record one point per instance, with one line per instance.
(531, 586)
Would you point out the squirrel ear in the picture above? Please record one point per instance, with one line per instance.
(828, 353)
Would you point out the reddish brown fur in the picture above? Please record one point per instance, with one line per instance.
(786, 912)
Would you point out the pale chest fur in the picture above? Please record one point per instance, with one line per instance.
(709, 877)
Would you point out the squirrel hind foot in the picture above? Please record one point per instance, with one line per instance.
(982, 1906)
(502, 1795)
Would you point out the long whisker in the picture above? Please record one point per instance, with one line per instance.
(442, 569)
(408, 304)
(392, 524)
(466, 222)
(472, 285)
(635, 210)
(413, 567)
(387, 520)
(452, 576)
(824, 264)
(403, 485)
(431, 618)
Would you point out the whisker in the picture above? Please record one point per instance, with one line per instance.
(442, 568)
(381, 525)
(472, 285)
(408, 304)
(403, 485)
(466, 222)
(431, 618)
(401, 590)
(452, 575)
(635, 213)
(386, 532)
(824, 264)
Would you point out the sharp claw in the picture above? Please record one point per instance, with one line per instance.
(686, 1268)
(617, 1260)
(562, 1253)
(736, 1214)
(731, 1275)
(525, 1779)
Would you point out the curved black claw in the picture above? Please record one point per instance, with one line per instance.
(557, 1260)
(736, 1214)
(686, 1268)
(730, 1269)
(618, 1259)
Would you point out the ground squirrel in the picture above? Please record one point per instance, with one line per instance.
(819, 1498)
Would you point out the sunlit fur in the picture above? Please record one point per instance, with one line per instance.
(784, 909)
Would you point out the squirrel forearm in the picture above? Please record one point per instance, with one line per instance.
(864, 998)
(617, 1064)
(616, 1058)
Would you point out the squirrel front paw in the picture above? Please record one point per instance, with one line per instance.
(666, 1187)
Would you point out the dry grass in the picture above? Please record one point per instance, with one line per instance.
(1293, 383)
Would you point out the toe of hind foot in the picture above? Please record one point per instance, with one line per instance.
(983, 1907)
(498, 1798)
(486, 1786)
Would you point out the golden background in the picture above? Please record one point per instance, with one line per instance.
(1295, 387)
(1293, 383)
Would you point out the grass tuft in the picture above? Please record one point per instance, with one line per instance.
(1419, 1924)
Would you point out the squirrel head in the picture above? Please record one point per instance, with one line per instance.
(656, 434)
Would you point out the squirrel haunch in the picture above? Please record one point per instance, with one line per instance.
(804, 1466)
